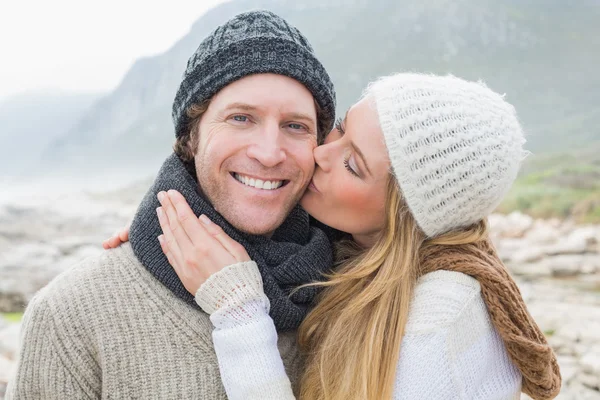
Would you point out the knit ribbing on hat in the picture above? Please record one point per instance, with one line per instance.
(455, 146)
(251, 43)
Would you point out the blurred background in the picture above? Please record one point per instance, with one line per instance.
(85, 102)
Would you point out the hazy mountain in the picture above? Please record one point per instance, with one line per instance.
(543, 53)
(30, 121)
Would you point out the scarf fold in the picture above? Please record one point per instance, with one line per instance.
(525, 342)
(297, 253)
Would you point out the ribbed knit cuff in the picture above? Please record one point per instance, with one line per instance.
(233, 296)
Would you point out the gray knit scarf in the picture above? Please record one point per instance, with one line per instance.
(297, 253)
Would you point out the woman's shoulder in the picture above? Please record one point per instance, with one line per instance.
(441, 298)
(451, 346)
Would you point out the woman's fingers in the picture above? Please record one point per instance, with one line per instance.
(119, 237)
(167, 251)
(169, 241)
(212, 251)
(198, 248)
(198, 235)
(124, 234)
(112, 242)
(176, 230)
(234, 248)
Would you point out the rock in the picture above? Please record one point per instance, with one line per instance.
(538, 269)
(81, 254)
(575, 243)
(32, 266)
(514, 225)
(590, 363)
(561, 347)
(565, 265)
(568, 373)
(6, 370)
(13, 301)
(577, 391)
(9, 341)
(30, 255)
(71, 244)
(507, 247)
(568, 368)
(580, 333)
(528, 254)
(590, 235)
(591, 381)
(543, 232)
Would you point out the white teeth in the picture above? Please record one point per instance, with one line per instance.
(258, 183)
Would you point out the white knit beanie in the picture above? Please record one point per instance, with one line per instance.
(455, 146)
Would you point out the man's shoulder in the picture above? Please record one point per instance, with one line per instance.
(440, 300)
(90, 282)
(109, 294)
(92, 273)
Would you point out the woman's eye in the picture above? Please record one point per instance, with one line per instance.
(351, 167)
(240, 118)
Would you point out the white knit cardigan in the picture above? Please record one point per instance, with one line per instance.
(450, 349)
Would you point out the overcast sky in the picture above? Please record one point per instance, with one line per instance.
(85, 46)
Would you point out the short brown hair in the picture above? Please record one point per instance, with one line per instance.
(186, 145)
(322, 124)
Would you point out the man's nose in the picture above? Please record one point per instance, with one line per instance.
(267, 148)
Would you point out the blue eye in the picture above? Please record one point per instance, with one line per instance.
(296, 126)
(240, 118)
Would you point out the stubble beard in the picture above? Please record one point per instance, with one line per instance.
(233, 211)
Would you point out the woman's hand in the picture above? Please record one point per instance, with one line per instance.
(118, 238)
(195, 247)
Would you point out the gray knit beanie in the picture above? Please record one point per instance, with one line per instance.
(455, 146)
(252, 43)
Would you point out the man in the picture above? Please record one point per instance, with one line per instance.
(247, 114)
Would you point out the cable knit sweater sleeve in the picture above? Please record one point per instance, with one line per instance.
(450, 348)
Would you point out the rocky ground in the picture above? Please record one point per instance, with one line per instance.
(556, 263)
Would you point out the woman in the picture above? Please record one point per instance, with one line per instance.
(419, 306)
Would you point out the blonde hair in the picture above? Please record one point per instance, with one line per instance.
(352, 337)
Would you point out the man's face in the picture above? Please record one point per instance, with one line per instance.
(255, 152)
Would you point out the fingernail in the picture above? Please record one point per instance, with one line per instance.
(159, 211)
(161, 196)
(205, 219)
(161, 239)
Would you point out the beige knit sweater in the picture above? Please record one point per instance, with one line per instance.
(106, 328)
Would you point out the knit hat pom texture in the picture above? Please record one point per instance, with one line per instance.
(455, 146)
